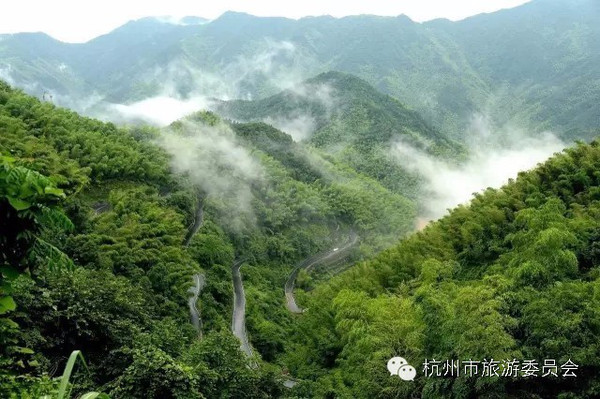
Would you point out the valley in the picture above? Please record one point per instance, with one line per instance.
(268, 207)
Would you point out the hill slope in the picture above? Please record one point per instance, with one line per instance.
(515, 275)
(347, 118)
(151, 210)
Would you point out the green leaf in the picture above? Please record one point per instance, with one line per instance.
(9, 272)
(18, 203)
(64, 381)
(7, 304)
(54, 191)
(8, 323)
(94, 395)
(5, 288)
(25, 351)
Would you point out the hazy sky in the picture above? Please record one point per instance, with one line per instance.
(78, 21)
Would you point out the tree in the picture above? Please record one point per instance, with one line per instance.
(28, 210)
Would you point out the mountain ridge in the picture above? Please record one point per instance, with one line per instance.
(346, 117)
(504, 64)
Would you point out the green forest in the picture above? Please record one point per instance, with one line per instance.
(277, 237)
(512, 276)
(95, 259)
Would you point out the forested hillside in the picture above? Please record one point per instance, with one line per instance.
(245, 208)
(104, 228)
(532, 66)
(346, 117)
(513, 276)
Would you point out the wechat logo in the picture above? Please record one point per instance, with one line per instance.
(400, 367)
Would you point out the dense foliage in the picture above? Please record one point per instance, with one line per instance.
(106, 231)
(512, 276)
(352, 122)
(121, 297)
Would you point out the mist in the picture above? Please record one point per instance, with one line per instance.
(180, 87)
(159, 111)
(5, 74)
(300, 127)
(495, 155)
(211, 159)
(301, 124)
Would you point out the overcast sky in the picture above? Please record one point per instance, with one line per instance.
(79, 21)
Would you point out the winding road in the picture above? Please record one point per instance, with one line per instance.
(198, 221)
(101, 207)
(238, 318)
(199, 279)
(199, 283)
(309, 263)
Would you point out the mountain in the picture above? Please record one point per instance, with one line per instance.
(272, 245)
(108, 228)
(507, 65)
(347, 118)
(538, 60)
(510, 280)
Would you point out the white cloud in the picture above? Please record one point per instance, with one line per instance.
(202, 87)
(495, 156)
(6, 74)
(161, 110)
(179, 20)
(300, 127)
(299, 124)
(213, 160)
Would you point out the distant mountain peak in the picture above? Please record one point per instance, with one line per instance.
(231, 15)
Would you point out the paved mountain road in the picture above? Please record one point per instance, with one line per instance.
(238, 318)
(333, 254)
